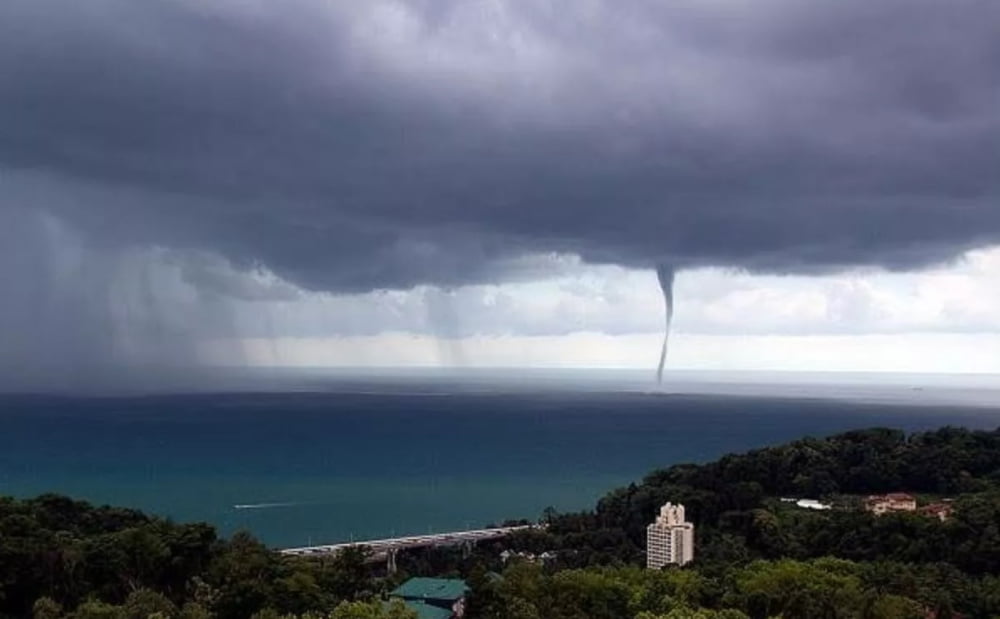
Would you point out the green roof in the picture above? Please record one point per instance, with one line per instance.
(447, 589)
(426, 611)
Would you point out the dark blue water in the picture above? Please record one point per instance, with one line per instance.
(327, 467)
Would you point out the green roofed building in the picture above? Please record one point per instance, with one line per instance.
(434, 598)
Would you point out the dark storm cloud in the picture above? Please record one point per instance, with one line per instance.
(358, 145)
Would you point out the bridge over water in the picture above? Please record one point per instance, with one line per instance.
(386, 549)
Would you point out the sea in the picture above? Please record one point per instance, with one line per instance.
(317, 457)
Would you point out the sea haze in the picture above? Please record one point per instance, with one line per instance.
(373, 457)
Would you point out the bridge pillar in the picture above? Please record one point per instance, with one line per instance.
(390, 563)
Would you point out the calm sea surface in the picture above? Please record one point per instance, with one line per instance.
(298, 468)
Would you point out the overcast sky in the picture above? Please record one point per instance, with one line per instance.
(493, 182)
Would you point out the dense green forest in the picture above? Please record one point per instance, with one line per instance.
(733, 502)
(756, 556)
(60, 557)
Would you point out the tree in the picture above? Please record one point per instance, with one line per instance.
(298, 592)
(143, 603)
(46, 608)
(96, 609)
(194, 610)
(893, 607)
(347, 575)
(243, 575)
(373, 610)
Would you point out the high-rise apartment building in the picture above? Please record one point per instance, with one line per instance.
(670, 539)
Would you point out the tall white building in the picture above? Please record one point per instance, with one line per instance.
(670, 539)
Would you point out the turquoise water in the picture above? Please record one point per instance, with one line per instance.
(322, 467)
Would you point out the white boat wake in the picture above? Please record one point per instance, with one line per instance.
(263, 505)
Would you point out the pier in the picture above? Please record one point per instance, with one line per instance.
(386, 549)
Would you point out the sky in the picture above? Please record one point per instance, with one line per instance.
(493, 183)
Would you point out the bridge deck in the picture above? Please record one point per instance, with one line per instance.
(379, 546)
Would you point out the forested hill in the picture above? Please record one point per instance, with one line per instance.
(949, 460)
(759, 556)
(733, 501)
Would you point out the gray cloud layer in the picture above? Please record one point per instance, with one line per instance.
(349, 146)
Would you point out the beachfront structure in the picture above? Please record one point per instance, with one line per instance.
(893, 502)
(434, 598)
(669, 539)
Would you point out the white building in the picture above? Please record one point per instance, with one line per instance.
(670, 539)
(813, 504)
